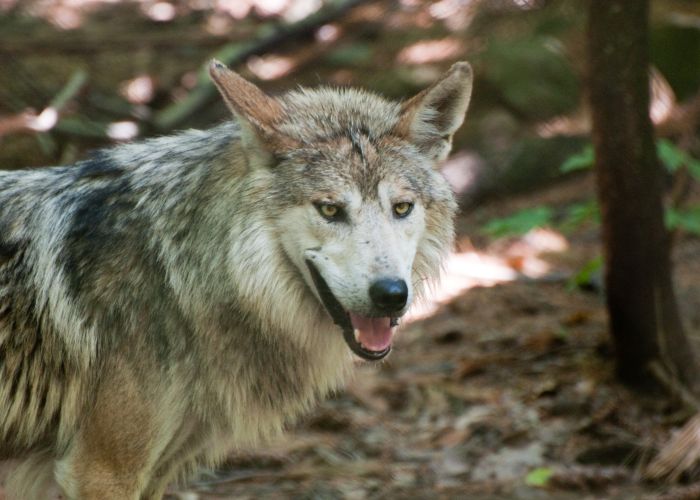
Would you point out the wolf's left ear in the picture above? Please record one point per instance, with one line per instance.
(257, 112)
(430, 118)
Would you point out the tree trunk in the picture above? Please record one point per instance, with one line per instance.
(644, 320)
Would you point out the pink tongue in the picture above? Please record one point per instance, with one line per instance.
(374, 333)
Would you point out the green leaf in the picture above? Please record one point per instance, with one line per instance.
(580, 213)
(687, 219)
(539, 477)
(670, 155)
(353, 54)
(584, 275)
(580, 161)
(694, 168)
(519, 223)
(675, 158)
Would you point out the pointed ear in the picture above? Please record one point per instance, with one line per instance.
(430, 118)
(257, 113)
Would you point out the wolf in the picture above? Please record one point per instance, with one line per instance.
(165, 302)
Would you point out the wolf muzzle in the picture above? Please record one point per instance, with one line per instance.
(342, 318)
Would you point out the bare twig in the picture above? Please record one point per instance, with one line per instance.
(16, 123)
(77, 81)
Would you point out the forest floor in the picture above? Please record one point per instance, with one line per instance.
(505, 390)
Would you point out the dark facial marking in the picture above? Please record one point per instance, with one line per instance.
(356, 140)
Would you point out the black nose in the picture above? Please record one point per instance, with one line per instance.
(389, 295)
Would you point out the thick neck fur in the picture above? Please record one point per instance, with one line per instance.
(219, 252)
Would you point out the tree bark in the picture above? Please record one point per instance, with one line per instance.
(643, 313)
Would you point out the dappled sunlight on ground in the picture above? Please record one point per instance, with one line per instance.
(520, 259)
(463, 271)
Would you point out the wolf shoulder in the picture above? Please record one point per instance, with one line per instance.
(141, 165)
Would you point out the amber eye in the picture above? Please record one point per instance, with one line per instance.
(402, 209)
(330, 212)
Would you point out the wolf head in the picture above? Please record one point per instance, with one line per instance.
(360, 207)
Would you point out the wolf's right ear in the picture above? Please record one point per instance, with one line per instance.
(257, 113)
(430, 118)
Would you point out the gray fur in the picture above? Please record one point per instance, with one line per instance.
(155, 310)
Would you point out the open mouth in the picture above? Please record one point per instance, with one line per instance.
(369, 338)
